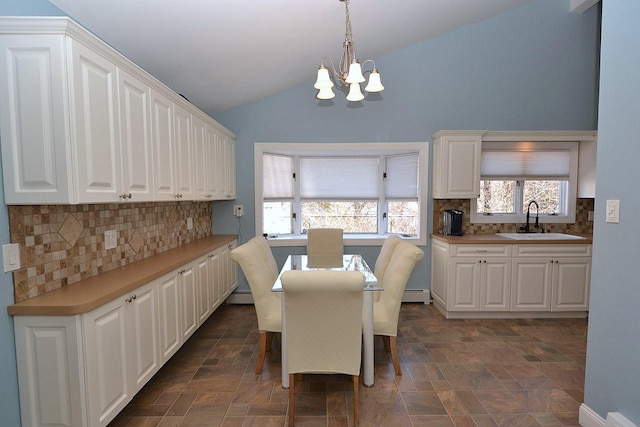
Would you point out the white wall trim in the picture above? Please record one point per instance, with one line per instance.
(587, 417)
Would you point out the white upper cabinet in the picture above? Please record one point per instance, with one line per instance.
(79, 123)
(456, 164)
(199, 158)
(135, 139)
(164, 163)
(183, 131)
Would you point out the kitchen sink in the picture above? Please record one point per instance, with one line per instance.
(539, 236)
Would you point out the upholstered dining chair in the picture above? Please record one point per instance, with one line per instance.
(386, 309)
(383, 259)
(260, 269)
(323, 316)
(324, 242)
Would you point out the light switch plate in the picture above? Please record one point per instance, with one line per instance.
(613, 211)
(11, 256)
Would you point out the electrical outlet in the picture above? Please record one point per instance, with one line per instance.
(238, 210)
(189, 223)
(110, 239)
(590, 216)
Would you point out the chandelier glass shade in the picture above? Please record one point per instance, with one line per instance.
(349, 71)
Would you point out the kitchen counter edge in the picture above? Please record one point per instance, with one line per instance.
(494, 239)
(89, 294)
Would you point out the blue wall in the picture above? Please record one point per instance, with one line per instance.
(613, 351)
(534, 68)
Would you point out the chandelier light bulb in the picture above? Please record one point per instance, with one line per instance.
(355, 73)
(354, 93)
(374, 85)
(323, 80)
(326, 93)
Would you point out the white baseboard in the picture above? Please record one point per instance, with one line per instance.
(587, 417)
(410, 295)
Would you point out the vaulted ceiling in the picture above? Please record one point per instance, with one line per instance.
(221, 54)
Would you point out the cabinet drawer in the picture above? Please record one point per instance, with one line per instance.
(481, 250)
(551, 250)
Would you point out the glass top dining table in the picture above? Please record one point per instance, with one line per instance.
(347, 262)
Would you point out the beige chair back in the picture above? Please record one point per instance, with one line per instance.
(261, 271)
(383, 259)
(324, 320)
(324, 242)
(387, 309)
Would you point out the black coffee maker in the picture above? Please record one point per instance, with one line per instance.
(452, 222)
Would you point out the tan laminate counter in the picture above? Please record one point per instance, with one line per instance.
(484, 239)
(89, 294)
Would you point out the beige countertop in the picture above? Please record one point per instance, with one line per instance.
(89, 294)
(496, 239)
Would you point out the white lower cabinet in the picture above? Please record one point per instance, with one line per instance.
(82, 370)
(551, 277)
(122, 352)
(509, 280)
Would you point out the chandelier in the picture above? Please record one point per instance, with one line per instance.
(349, 72)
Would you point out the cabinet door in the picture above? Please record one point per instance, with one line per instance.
(456, 173)
(170, 309)
(229, 269)
(188, 294)
(439, 268)
(464, 292)
(164, 163)
(202, 289)
(108, 389)
(96, 126)
(199, 163)
(215, 276)
(135, 138)
(211, 153)
(183, 134)
(143, 327)
(531, 284)
(571, 280)
(496, 285)
(230, 167)
(33, 120)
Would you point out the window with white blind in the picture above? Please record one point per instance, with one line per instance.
(368, 190)
(515, 175)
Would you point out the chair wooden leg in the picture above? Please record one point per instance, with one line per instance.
(269, 340)
(385, 340)
(393, 343)
(262, 352)
(356, 386)
(292, 381)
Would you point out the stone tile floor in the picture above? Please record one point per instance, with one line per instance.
(462, 373)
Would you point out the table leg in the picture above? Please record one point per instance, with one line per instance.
(367, 338)
(284, 356)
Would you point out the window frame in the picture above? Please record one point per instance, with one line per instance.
(344, 149)
(570, 191)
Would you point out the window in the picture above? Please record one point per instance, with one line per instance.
(368, 190)
(514, 175)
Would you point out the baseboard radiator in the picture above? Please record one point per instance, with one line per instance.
(410, 295)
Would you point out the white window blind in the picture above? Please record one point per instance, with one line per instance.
(277, 176)
(402, 176)
(338, 178)
(551, 164)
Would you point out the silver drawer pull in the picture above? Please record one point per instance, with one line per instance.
(481, 250)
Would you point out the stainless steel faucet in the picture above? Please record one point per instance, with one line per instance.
(525, 227)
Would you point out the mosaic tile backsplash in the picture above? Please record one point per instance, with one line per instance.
(581, 226)
(63, 244)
